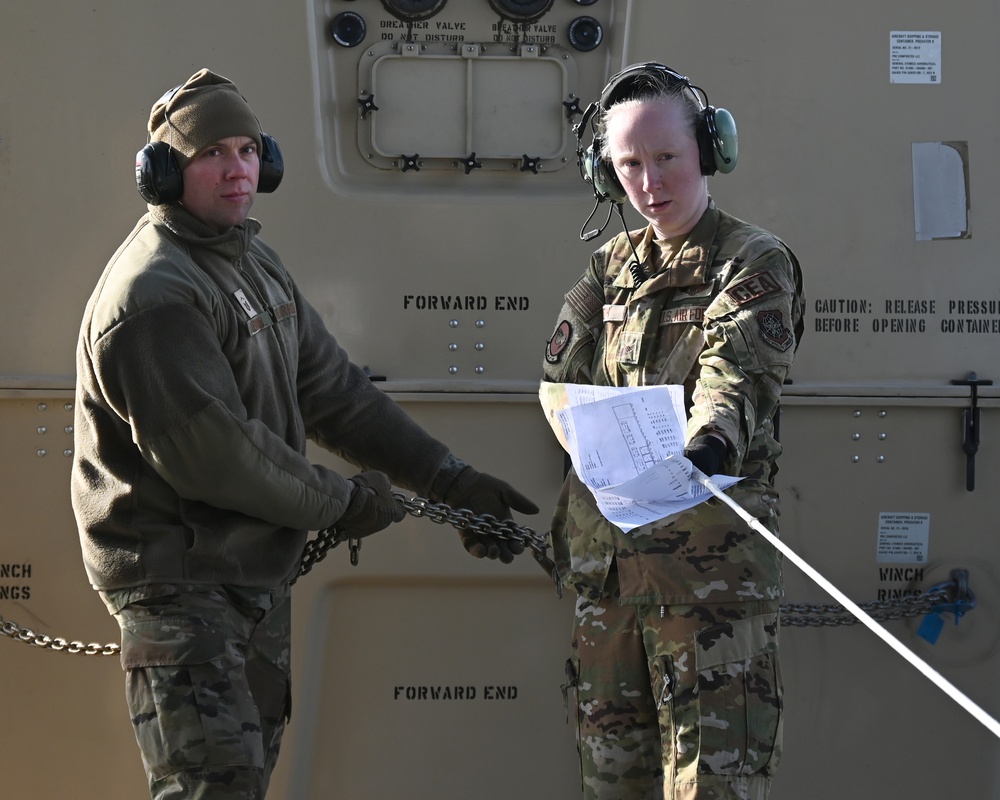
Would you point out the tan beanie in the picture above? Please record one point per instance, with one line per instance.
(202, 110)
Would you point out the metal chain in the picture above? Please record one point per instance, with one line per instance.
(799, 615)
(954, 595)
(315, 550)
(460, 518)
(463, 519)
(817, 615)
(28, 636)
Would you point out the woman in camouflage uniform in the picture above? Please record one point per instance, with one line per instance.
(674, 665)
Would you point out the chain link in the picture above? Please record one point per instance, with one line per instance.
(487, 524)
(315, 550)
(460, 518)
(800, 615)
(28, 636)
(817, 615)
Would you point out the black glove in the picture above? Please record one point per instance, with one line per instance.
(371, 508)
(484, 494)
(706, 452)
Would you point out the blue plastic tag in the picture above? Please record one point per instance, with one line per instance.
(930, 629)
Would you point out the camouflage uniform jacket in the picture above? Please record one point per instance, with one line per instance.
(723, 317)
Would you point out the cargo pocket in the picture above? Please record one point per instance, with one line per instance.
(740, 697)
(191, 706)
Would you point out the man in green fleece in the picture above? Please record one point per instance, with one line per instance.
(202, 372)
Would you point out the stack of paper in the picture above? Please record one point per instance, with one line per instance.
(627, 444)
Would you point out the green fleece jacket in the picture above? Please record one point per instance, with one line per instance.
(201, 373)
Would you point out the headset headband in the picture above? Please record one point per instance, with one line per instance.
(619, 88)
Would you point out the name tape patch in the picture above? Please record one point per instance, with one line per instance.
(672, 316)
(614, 313)
(753, 288)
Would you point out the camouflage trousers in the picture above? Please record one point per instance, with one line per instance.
(208, 688)
(680, 702)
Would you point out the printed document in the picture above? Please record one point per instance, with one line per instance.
(627, 444)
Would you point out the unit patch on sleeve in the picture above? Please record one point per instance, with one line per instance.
(773, 330)
(560, 338)
(753, 288)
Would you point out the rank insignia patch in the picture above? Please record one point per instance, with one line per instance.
(701, 290)
(555, 346)
(773, 330)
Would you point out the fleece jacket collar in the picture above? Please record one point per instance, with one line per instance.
(232, 244)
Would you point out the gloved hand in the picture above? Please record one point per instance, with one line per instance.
(371, 508)
(484, 494)
(706, 452)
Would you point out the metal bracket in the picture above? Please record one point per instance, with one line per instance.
(470, 163)
(367, 104)
(572, 108)
(970, 426)
(530, 163)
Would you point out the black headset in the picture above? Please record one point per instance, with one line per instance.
(158, 175)
(715, 129)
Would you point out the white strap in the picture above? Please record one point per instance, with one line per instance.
(854, 608)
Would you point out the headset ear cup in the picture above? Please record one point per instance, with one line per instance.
(717, 141)
(706, 142)
(727, 148)
(607, 181)
(272, 165)
(601, 176)
(157, 174)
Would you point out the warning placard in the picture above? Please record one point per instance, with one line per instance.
(915, 57)
(903, 538)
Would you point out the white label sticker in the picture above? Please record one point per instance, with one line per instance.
(915, 57)
(903, 538)
(241, 298)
